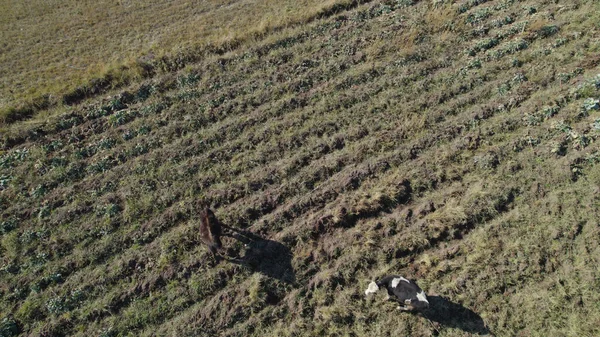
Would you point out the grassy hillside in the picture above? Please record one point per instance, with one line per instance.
(55, 51)
(450, 142)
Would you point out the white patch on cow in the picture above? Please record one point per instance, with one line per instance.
(421, 297)
(372, 288)
(397, 280)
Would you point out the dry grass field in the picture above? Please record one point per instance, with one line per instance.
(50, 48)
(453, 142)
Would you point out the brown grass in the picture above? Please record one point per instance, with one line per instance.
(50, 48)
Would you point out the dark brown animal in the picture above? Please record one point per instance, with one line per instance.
(210, 230)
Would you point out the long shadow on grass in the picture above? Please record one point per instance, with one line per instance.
(265, 256)
(453, 315)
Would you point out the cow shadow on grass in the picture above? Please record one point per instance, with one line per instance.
(453, 315)
(265, 256)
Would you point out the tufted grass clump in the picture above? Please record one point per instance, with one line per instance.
(9, 327)
(61, 304)
(477, 16)
(8, 225)
(13, 158)
(588, 88)
(507, 49)
(547, 31)
(591, 104)
(482, 45)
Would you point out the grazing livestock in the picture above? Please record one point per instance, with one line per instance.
(210, 230)
(406, 292)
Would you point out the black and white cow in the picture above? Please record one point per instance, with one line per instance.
(407, 292)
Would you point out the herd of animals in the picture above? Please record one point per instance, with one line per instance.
(404, 291)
